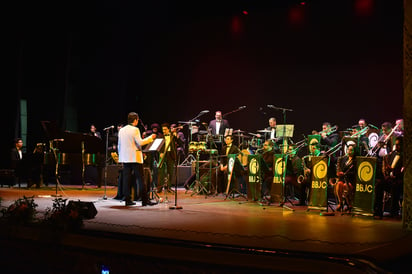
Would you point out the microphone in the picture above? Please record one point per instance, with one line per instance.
(204, 111)
(108, 128)
(242, 107)
(270, 106)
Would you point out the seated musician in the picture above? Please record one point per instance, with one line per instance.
(329, 141)
(345, 181)
(294, 169)
(306, 179)
(239, 180)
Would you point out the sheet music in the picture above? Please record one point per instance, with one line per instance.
(156, 144)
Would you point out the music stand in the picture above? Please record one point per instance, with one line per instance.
(284, 131)
(152, 148)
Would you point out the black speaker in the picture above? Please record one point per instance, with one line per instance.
(86, 209)
(183, 173)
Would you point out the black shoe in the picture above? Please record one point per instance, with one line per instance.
(149, 203)
(130, 203)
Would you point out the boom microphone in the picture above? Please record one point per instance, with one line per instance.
(204, 111)
(108, 128)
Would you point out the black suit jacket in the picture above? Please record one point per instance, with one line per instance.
(223, 125)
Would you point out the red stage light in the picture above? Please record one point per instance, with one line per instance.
(245, 12)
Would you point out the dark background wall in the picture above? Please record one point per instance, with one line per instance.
(83, 62)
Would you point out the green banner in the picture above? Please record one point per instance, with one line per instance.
(255, 176)
(364, 187)
(279, 167)
(231, 159)
(318, 197)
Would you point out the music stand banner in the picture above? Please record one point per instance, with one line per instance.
(255, 176)
(231, 159)
(318, 194)
(365, 184)
(279, 167)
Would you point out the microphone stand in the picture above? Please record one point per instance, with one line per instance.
(233, 111)
(175, 167)
(105, 163)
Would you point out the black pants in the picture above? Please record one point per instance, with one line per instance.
(138, 183)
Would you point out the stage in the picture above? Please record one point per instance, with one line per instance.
(208, 233)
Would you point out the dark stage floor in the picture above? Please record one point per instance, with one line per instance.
(209, 234)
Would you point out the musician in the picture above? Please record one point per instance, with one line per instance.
(399, 128)
(17, 157)
(363, 140)
(345, 181)
(93, 131)
(267, 151)
(271, 129)
(306, 179)
(168, 158)
(219, 125)
(329, 140)
(239, 181)
(386, 140)
(393, 171)
(181, 142)
(131, 156)
(294, 169)
(36, 166)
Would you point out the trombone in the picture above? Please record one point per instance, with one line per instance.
(328, 132)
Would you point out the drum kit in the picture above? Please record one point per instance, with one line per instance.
(246, 141)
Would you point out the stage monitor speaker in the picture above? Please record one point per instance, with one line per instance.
(87, 210)
(183, 173)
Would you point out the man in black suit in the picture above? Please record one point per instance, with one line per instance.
(218, 125)
(239, 182)
(17, 157)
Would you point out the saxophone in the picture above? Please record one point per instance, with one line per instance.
(306, 170)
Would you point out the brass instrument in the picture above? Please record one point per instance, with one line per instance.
(306, 170)
(374, 150)
(328, 132)
(334, 149)
(360, 132)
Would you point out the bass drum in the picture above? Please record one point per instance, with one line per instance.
(373, 136)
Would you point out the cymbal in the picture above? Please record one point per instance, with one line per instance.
(264, 130)
(238, 131)
(202, 132)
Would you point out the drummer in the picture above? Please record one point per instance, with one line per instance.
(269, 133)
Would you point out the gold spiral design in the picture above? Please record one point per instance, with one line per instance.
(253, 166)
(279, 166)
(320, 170)
(365, 171)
